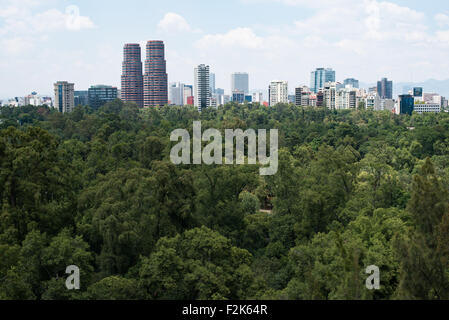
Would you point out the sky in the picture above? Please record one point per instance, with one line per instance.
(81, 41)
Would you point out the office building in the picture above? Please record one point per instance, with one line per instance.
(132, 77)
(351, 82)
(238, 97)
(240, 82)
(212, 83)
(277, 92)
(64, 96)
(202, 92)
(427, 108)
(176, 94)
(81, 98)
(320, 77)
(298, 96)
(155, 80)
(385, 89)
(100, 94)
(406, 104)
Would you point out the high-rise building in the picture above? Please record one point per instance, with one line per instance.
(100, 94)
(81, 98)
(176, 93)
(132, 78)
(278, 92)
(406, 104)
(320, 77)
(298, 96)
(372, 101)
(346, 99)
(351, 82)
(212, 83)
(330, 95)
(188, 92)
(202, 92)
(155, 80)
(64, 96)
(240, 82)
(385, 89)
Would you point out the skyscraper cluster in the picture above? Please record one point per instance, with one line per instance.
(149, 89)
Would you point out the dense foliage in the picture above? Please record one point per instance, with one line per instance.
(97, 189)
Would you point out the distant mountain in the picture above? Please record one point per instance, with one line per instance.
(430, 86)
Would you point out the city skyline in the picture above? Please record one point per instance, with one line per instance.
(85, 48)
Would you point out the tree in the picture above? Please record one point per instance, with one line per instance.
(199, 264)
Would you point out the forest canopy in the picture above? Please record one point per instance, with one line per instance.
(97, 189)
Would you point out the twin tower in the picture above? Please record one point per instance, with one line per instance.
(151, 88)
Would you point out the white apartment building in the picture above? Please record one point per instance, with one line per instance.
(346, 99)
(372, 101)
(427, 108)
(64, 96)
(278, 92)
(330, 95)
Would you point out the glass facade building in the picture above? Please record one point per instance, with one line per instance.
(406, 104)
(385, 89)
(319, 77)
(352, 82)
(81, 98)
(100, 94)
(240, 82)
(417, 92)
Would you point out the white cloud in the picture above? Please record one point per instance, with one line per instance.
(16, 45)
(174, 23)
(239, 37)
(442, 19)
(21, 18)
(365, 39)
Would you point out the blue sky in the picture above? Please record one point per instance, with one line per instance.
(81, 41)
